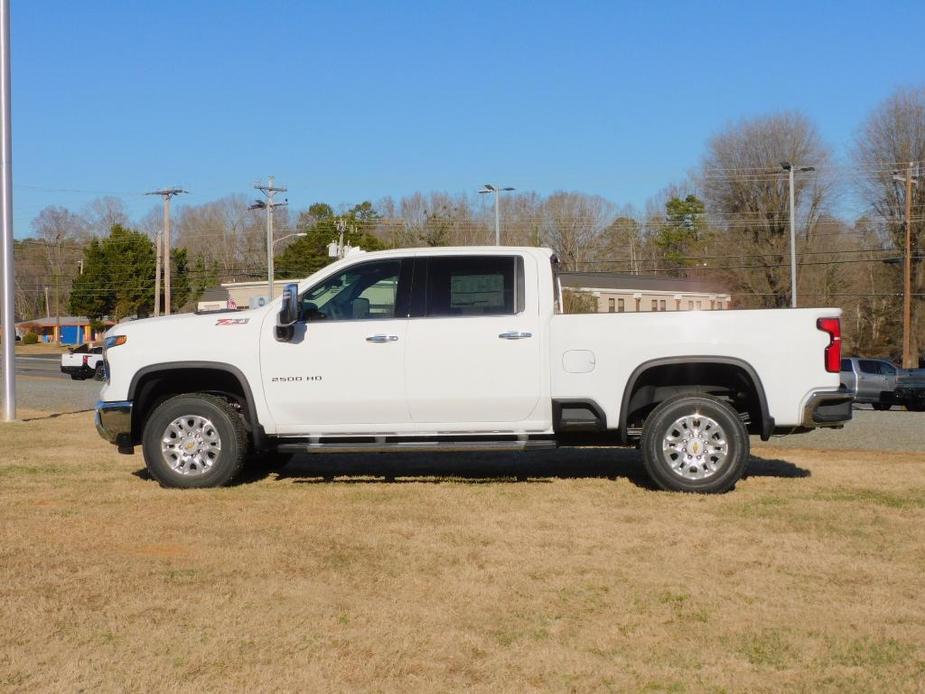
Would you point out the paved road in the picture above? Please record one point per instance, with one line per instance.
(40, 385)
(895, 430)
(39, 365)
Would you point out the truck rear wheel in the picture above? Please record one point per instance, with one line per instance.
(194, 440)
(695, 443)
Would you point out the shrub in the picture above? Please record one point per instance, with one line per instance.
(30, 339)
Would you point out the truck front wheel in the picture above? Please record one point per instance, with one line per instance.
(695, 443)
(194, 440)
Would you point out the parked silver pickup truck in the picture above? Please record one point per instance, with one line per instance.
(873, 381)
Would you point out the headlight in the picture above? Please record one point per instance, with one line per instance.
(114, 341)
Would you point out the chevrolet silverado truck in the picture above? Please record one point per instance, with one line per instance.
(463, 349)
(83, 362)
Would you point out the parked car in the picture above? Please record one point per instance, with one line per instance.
(83, 362)
(910, 389)
(871, 381)
(464, 349)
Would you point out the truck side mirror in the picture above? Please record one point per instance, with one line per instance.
(288, 313)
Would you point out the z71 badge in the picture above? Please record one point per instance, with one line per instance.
(232, 321)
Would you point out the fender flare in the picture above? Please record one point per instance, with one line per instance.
(767, 421)
(249, 403)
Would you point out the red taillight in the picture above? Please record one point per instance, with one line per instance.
(832, 326)
(86, 359)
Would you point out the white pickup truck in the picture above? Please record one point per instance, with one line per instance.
(439, 349)
(83, 362)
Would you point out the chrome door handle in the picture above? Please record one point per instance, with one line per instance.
(515, 335)
(382, 338)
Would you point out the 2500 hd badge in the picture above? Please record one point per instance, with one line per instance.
(294, 379)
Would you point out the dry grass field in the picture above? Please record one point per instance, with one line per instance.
(40, 348)
(401, 574)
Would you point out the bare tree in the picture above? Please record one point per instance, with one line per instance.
(892, 138)
(620, 245)
(438, 219)
(572, 225)
(747, 196)
(59, 231)
(31, 278)
(102, 214)
(226, 234)
(521, 219)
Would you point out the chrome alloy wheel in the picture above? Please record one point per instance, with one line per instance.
(191, 445)
(695, 447)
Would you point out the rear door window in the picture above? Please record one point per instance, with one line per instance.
(472, 286)
(869, 366)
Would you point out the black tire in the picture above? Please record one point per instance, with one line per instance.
(881, 406)
(99, 373)
(660, 427)
(225, 423)
(915, 406)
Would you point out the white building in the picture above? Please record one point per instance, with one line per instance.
(617, 292)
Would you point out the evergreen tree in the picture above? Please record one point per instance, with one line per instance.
(309, 253)
(118, 277)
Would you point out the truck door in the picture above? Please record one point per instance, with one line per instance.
(888, 372)
(343, 371)
(473, 358)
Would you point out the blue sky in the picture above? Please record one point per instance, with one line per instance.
(345, 101)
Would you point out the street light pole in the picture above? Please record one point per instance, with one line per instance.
(7, 315)
(289, 236)
(789, 168)
(491, 188)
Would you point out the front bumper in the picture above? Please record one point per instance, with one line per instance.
(114, 422)
(827, 408)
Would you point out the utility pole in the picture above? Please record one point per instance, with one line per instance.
(58, 290)
(7, 314)
(789, 168)
(910, 360)
(491, 188)
(47, 306)
(157, 274)
(341, 227)
(269, 190)
(166, 193)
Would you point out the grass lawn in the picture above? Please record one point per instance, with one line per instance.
(41, 348)
(407, 574)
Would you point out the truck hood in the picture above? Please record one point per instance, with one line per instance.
(184, 321)
(189, 337)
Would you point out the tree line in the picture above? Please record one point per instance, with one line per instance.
(728, 222)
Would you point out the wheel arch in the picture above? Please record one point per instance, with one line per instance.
(699, 362)
(154, 383)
